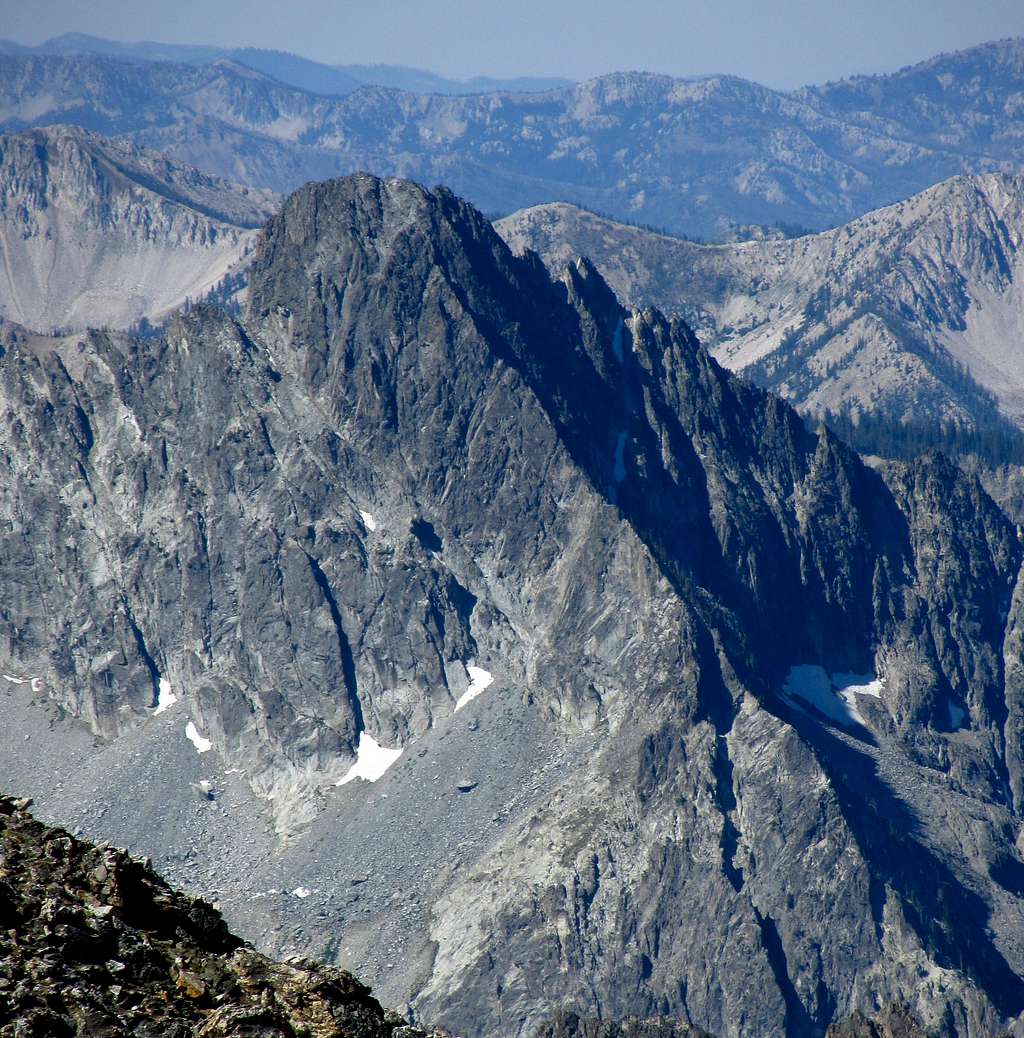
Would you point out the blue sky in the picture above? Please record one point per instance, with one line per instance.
(783, 43)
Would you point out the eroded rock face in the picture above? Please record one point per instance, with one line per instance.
(99, 234)
(422, 482)
(94, 943)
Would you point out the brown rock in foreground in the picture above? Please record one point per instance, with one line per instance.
(93, 942)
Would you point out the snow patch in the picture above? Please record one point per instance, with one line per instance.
(617, 342)
(15, 681)
(193, 736)
(833, 695)
(368, 521)
(858, 684)
(165, 697)
(301, 892)
(372, 760)
(37, 684)
(619, 471)
(956, 714)
(479, 679)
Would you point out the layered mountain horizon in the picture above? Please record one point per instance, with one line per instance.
(463, 628)
(639, 146)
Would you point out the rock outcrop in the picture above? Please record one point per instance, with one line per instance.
(94, 943)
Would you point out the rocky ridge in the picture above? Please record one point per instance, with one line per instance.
(699, 717)
(911, 312)
(98, 233)
(640, 146)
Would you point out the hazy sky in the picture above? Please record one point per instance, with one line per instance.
(778, 42)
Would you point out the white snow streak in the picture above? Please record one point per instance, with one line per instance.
(858, 684)
(193, 736)
(36, 684)
(372, 760)
(368, 521)
(479, 679)
(834, 695)
(165, 697)
(301, 892)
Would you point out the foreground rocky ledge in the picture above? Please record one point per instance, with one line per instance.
(93, 942)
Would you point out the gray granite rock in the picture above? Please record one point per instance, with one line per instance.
(743, 712)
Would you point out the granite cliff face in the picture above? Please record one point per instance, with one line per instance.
(698, 716)
(912, 312)
(697, 156)
(96, 233)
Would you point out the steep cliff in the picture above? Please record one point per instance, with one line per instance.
(577, 671)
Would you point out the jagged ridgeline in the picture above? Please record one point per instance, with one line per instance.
(680, 710)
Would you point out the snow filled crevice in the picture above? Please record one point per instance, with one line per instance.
(165, 696)
(479, 679)
(833, 695)
(372, 760)
(368, 521)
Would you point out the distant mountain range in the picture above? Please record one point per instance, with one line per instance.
(914, 312)
(696, 156)
(314, 76)
(98, 233)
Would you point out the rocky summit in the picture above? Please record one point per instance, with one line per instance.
(567, 670)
